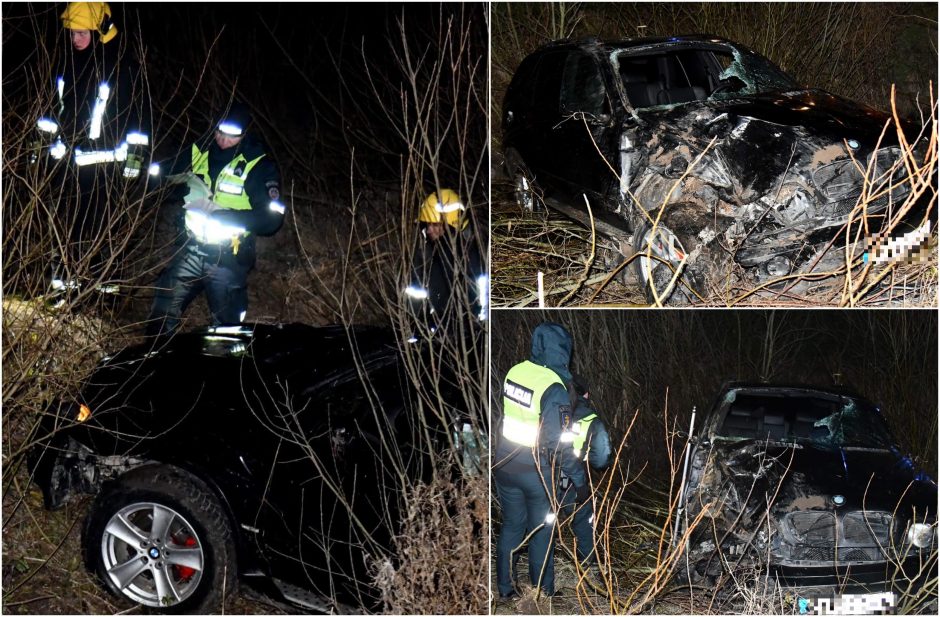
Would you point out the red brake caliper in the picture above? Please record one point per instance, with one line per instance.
(185, 572)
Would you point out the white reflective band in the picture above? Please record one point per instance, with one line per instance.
(138, 139)
(451, 207)
(57, 150)
(577, 453)
(412, 339)
(241, 316)
(416, 292)
(550, 518)
(520, 432)
(104, 91)
(209, 230)
(130, 172)
(278, 207)
(101, 156)
(154, 169)
(566, 437)
(232, 130)
(230, 330)
(230, 188)
(483, 289)
(591, 521)
(60, 86)
(90, 158)
(47, 126)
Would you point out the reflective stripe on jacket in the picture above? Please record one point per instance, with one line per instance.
(229, 188)
(522, 395)
(580, 430)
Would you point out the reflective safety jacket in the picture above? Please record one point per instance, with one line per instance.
(102, 110)
(228, 187)
(522, 395)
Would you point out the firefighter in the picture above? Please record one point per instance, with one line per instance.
(95, 140)
(531, 453)
(447, 276)
(233, 196)
(591, 444)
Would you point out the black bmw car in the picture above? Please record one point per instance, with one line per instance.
(809, 483)
(269, 453)
(698, 154)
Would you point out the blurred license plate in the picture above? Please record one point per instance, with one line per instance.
(849, 604)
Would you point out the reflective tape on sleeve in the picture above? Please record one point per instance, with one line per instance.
(97, 114)
(417, 293)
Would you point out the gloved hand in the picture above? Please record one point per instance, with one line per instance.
(583, 493)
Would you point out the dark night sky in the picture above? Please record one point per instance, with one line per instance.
(293, 60)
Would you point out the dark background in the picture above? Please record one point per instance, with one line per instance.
(301, 67)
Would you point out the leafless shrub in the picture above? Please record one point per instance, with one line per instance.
(439, 123)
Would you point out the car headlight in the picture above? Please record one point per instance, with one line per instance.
(921, 535)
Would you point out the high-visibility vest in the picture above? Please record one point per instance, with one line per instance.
(580, 430)
(522, 400)
(229, 188)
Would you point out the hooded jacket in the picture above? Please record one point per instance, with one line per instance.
(551, 348)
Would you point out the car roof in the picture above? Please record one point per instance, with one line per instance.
(640, 42)
(841, 391)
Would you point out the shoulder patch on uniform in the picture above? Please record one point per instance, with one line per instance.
(273, 193)
(518, 394)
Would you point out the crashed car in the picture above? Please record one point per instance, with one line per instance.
(809, 485)
(272, 454)
(696, 153)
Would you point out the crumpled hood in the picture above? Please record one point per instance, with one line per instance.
(873, 479)
(815, 109)
(551, 347)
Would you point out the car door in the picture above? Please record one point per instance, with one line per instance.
(584, 142)
(530, 113)
(332, 492)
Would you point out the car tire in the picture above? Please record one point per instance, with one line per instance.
(669, 244)
(188, 565)
(524, 189)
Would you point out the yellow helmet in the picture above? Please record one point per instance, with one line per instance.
(94, 16)
(444, 209)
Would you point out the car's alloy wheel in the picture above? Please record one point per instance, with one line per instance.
(152, 554)
(666, 254)
(159, 536)
(525, 197)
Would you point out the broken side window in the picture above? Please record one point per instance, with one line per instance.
(582, 87)
(758, 74)
(855, 426)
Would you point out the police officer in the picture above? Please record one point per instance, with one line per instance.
(530, 454)
(95, 139)
(446, 267)
(233, 196)
(591, 444)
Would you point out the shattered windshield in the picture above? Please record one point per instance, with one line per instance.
(667, 76)
(837, 422)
